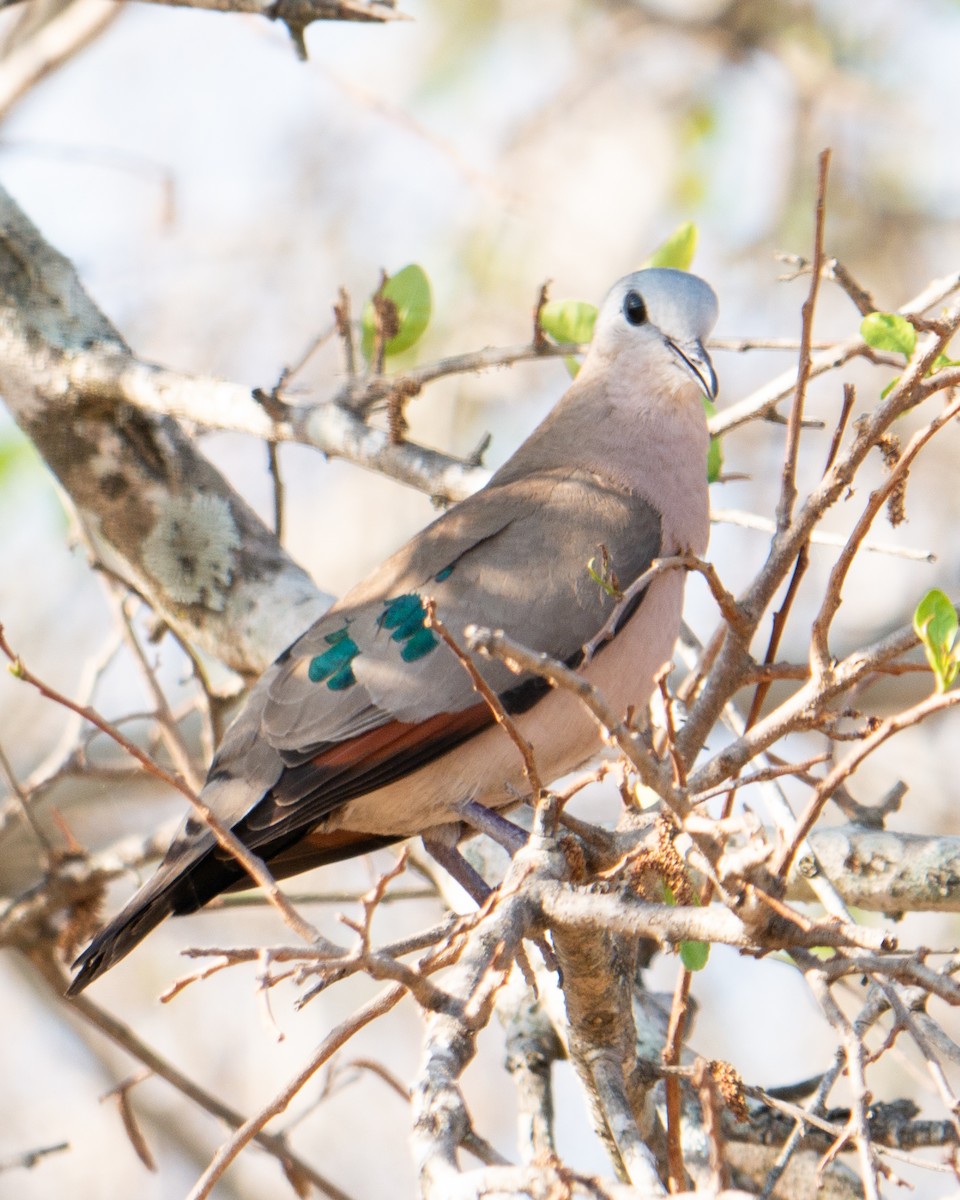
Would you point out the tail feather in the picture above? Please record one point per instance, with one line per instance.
(128, 928)
(177, 889)
(182, 884)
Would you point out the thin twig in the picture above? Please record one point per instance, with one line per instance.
(63, 32)
(679, 1009)
(249, 1130)
(845, 768)
(26, 808)
(764, 401)
(492, 700)
(127, 1040)
(729, 609)
(254, 867)
(819, 537)
(169, 730)
(496, 644)
(788, 487)
(820, 663)
(27, 1159)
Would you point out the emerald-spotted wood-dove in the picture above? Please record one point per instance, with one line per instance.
(368, 728)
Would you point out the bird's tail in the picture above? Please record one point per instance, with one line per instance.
(151, 905)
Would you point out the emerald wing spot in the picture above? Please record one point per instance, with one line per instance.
(334, 665)
(344, 678)
(421, 643)
(405, 617)
(402, 609)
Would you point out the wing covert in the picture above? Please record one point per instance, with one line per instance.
(516, 557)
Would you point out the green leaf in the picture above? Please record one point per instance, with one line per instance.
(693, 955)
(936, 625)
(889, 331)
(409, 292)
(568, 320)
(678, 249)
(939, 363)
(715, 452)
(603, 575)
(697, 124)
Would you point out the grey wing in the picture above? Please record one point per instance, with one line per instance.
(555, 574)
(542, 559)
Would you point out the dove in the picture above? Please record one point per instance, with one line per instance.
(368, 729)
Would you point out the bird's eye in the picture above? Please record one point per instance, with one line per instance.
(634, 308)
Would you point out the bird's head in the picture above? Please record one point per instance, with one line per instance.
(655, 322)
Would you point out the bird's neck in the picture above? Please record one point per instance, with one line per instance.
(645, 439)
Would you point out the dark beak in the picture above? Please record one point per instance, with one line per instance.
(697, 361)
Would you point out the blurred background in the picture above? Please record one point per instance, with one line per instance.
(214, 193)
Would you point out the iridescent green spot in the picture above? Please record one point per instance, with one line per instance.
(421, 643)
(343, 679)
(444, 574)
(401, 609)
(333, 662)
(408, 627)
(405, 617)
(337, 636)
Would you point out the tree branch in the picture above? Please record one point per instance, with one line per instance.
(157, 513)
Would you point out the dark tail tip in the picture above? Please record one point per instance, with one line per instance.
(115, 941)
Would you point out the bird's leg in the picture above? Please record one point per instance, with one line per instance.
(487, 820)
(440, 842)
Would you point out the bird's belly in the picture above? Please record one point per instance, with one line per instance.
(488, 767)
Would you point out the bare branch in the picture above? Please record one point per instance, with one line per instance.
(69, 28)
(252, 1129)
(765, 400)
(845, 768)
(124, 1037)
(254, 866)
(788, 490)
(158, 513)
(819, 537)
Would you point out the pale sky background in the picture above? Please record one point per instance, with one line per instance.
(214, 193)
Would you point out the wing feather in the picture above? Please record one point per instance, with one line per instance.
(315, 734)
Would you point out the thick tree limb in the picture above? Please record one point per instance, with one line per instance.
(156, 511)
(332, 428)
